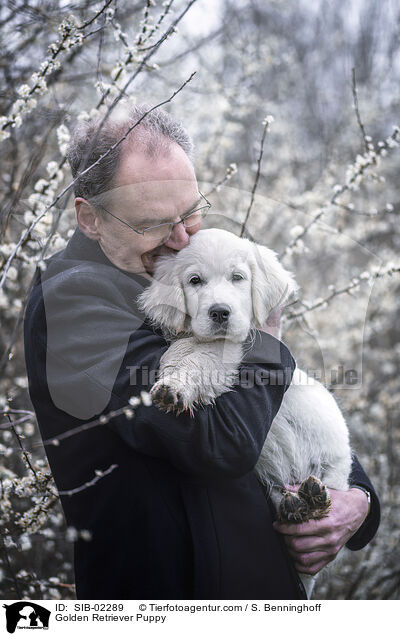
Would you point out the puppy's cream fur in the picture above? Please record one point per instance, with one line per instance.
(309, 434)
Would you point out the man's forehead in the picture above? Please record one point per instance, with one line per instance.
(139, 166)
(160, 188)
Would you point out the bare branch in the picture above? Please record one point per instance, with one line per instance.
(267, 123)
(100, 474)
(357, 110)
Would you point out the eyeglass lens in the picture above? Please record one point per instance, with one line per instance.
(165, 230)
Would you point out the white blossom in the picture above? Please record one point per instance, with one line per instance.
(269, 119)
(146, 398)
(71, 534)
(63, 137)
(23, 90)
(296, 231)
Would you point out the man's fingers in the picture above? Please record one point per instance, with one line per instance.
(309, 528)
(314, 552)
(312, 563)
(307, 544)
(329, 543)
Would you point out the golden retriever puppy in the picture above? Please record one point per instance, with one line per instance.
(209, 298)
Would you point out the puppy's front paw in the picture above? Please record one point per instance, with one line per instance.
(166, 396)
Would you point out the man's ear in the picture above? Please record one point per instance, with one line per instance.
(163, 302)
(87, 218)
(271, 284)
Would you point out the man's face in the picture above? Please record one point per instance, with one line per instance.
(148, 191)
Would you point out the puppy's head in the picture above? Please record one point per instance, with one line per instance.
(219, 286)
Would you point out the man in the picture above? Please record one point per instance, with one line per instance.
(172, 504)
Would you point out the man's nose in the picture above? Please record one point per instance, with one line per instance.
(179, 237)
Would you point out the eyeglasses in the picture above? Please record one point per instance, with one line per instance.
(164, 230)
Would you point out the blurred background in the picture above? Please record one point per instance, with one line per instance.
(313, 86)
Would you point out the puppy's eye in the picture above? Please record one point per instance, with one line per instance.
(237, 276)
(195, 280)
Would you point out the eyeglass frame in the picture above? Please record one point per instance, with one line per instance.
(171, 223)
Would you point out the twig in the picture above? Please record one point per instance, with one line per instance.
(97, 15)
(98, 70)
(16, 412)
(267, 122)
(156, 26)
(385, 212)
(355, 283)
(22, 420)
(298, 238)
(92, 482)
(103, 419)
(357, 110)
(10, 568)
(25, 454)
(230, 171)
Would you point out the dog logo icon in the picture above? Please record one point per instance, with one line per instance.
(26, 615)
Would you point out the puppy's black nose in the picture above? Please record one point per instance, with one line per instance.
(219, 313)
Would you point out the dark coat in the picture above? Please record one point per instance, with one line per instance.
(181, 513)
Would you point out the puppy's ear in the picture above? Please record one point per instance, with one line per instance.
(272, 285)
(164, 301)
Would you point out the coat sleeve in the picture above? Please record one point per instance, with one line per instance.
(370, 526)
(100, 353)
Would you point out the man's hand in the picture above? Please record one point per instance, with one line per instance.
(273, 324)
(313, 544)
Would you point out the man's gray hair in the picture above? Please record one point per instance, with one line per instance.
(92, 139)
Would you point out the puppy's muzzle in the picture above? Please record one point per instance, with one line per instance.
(219, 314)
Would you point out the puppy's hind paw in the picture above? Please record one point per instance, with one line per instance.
(316, 495)
(167, 398)
(293, 509)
